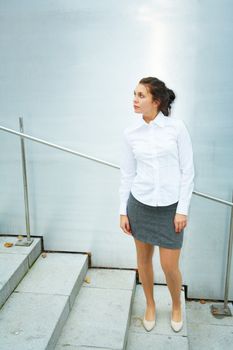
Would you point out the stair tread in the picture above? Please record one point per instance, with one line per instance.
(35, 313)
(8, 265)
(55, 273)
(110, 278)
(25, 250)
(27, 320)
(100, 314)
(14, 264)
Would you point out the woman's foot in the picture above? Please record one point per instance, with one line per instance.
(149, 318)
(177, 314)
(176, 319)
(150, 313)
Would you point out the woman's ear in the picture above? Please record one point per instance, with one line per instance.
(156, 103)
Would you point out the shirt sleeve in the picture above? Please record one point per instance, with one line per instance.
(186, 168)
(128, 172)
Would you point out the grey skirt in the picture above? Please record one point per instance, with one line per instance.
(154, 225)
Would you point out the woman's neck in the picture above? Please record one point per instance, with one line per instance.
(149, 117)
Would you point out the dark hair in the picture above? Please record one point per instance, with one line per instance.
(160, 92)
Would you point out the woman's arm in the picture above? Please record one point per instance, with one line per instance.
(128, 172)
(187, 169)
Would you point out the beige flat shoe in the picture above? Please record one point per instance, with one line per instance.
(148, 325)
(176, 326)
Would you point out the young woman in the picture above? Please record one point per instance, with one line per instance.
(157, 180)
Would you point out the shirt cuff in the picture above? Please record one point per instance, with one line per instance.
(182, 209)
(123, 209)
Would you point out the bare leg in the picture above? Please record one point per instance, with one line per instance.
(145, 269)
(169, 259)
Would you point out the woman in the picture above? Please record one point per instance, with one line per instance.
(157, 174)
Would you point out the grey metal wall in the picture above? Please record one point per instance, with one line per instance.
(69, 69)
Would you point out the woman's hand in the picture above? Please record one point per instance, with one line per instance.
(124, 224)
(180, 222)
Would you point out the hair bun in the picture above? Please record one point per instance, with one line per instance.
(171, 94)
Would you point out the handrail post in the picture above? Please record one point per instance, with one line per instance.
(229, 256)
(29, 240)
(224, 309)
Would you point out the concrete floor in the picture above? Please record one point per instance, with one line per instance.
(206, 331)
(162, 335)
(201, 329)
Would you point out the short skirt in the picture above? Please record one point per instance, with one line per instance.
(154, 225)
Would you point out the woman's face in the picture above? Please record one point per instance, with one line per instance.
(143, 102)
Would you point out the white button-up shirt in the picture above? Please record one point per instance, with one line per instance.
(157, 163)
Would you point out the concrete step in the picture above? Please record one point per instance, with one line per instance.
(101, 312)
(35, 313)
(208, 331)
(15, 262)
(162, 335)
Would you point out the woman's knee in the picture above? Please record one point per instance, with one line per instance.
(169, 260)
(170, 270)
(144, 259)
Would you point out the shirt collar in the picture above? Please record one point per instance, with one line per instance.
(159, 120)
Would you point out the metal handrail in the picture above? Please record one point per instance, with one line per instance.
(215, 199)
(68, 150)
(216, 309)
(53, 145)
